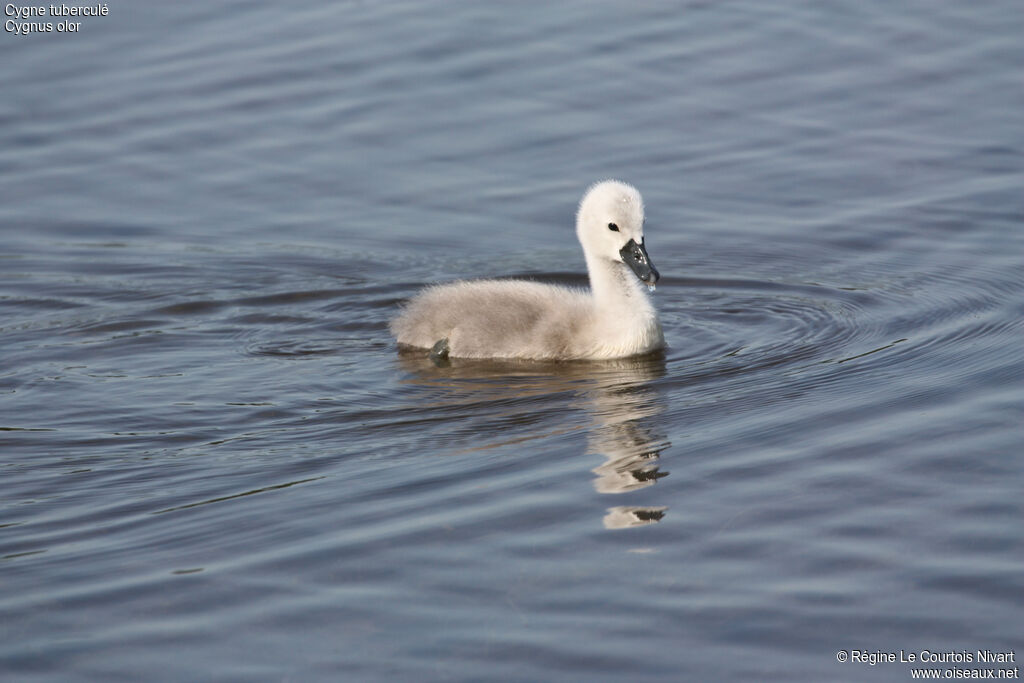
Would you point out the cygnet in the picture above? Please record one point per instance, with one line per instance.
(531, 320)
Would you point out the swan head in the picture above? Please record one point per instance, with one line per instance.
(610, 225)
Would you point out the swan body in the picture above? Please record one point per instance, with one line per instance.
(531, 320)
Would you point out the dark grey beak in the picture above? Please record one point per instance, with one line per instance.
(636, 257)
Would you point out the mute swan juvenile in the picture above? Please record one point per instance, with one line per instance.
(531, 320)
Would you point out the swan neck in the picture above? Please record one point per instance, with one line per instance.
(616, 289)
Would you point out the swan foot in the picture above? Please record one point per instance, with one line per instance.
(439, 352)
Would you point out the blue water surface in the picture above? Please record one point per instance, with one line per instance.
(216, 466)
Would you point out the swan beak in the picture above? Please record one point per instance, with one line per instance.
(635, 256)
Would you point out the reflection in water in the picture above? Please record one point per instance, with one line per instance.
(618, 395)
(623, 516)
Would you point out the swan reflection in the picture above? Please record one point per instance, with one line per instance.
(623, 516)
(618, 396)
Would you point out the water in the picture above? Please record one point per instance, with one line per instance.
(216, 466)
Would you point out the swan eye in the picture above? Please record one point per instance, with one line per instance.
(613, 227)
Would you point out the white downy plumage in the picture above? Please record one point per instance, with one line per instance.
(531, 320)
